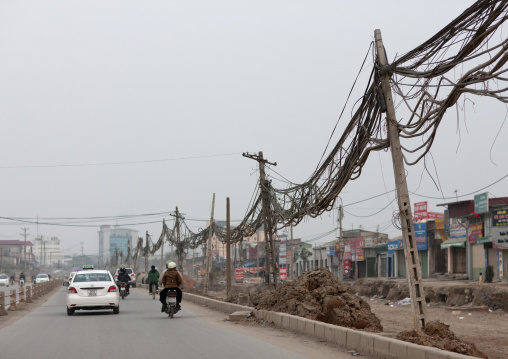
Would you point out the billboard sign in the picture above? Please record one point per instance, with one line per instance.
(283, 273)
(481, 203)
(500, 218)
(239, 275)
(421, 236)
(283, 252)
(457, 231)
(330, 251)
(475, 231)
(420, 210)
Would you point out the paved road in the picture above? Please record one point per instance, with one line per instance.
(139, 331)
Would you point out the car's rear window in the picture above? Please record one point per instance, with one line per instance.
(3, 276)
(42, 276)
(92, 277)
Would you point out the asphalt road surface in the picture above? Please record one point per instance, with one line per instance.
(139, 331)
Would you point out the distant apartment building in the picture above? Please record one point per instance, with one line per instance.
(115, 239)
(14, 251)
(48, 251)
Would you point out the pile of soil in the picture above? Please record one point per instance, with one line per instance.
(318, 295)
(440, 336)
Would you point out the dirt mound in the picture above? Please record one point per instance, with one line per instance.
(440, 336)
(319, 296)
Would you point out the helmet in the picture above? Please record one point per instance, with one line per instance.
(170, 264)
(122, 269)
(153, 267)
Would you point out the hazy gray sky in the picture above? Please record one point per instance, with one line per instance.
(93, 82)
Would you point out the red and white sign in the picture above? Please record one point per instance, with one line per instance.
(239, 274)
(434, 215)
(283, 274)
(420, 211)
(475, 231)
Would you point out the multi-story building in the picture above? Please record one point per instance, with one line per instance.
(14, 251)
(48, 251)
(113, 240)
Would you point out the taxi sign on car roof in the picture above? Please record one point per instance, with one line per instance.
(88, 267)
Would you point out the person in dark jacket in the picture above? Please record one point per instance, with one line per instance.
(123, 277)
(171, 279)
(153, 279)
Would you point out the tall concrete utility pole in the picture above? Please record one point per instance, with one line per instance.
(24, 247)
(208, 255)
(228, 249)
(161, 265)
(292, 254)
(128, 253)
(147, 249)
(82, 259)
(340, 255)
(413, 266)
(265, 196)
(179, 246)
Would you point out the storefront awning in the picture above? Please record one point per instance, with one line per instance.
(454, 242)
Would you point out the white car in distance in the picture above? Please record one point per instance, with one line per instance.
(4, 279)
(92, 290)
(41, 278)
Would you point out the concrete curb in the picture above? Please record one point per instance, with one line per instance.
(366, 343)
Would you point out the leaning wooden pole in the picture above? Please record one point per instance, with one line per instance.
(414, 269)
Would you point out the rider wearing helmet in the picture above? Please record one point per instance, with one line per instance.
(171, 279)
(124, 277)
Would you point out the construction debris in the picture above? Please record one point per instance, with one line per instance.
(318, 295)
(440, 336)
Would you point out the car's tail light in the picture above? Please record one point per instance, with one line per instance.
(112, 289)
(72, 290)
(116, 275)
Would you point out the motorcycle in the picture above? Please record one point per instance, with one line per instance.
(21, 283)
(123, 290)
(171, 305)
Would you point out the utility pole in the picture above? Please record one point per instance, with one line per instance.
(82, 255)
(265, 196)
(257, 254)
(161, 266)
(1, 258)
(29, 265)
(40, 259)
(413, 266)
(228, 248)
(44, 254)
(208, 256)
(179, 245)
(128, 253)
(292, 254)
(341, 246)
(24, 247)
(147, 249)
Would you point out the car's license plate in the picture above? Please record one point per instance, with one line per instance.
(172, 299)
(92, 292)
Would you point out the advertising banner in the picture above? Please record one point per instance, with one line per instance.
(446, 223)
(283, 252)
(347, 264)
(434, 215)
(421, 236)
(420, 210)
(356, 244)
(481, 203)
(330, 251)
(394, 245)
(457, 231)
(239, 275)
(500, 218)
(475, 232)
(369, 242)
(440, 228)
(283, 274)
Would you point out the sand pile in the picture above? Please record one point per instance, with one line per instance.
(318, 295)
(188, 282)
(440, 336)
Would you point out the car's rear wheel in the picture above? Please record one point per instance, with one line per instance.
(70, 311)
(116, 310)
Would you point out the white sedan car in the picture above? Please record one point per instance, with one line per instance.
(4, 279)
(41, 278)
(92, 290)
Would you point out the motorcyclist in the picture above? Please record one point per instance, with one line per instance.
(13, 276)
(22, 276)
(153, 279)
(171, 279)
(123, 277)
